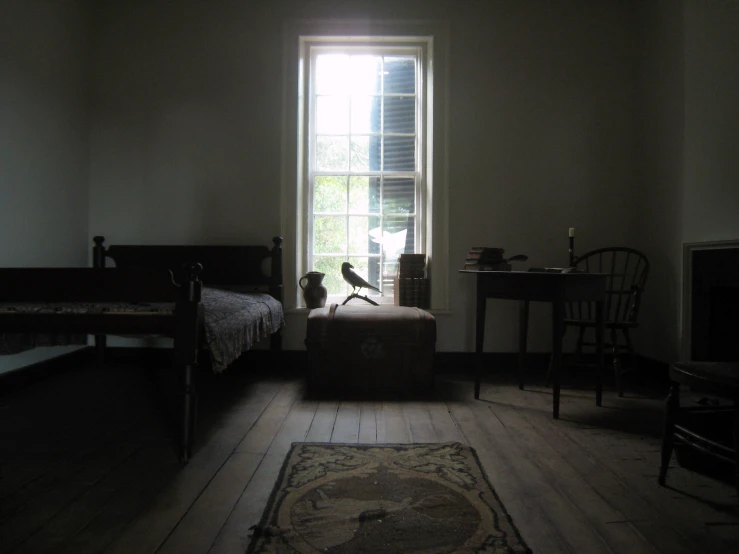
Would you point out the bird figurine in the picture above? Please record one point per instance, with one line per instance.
(354, 279)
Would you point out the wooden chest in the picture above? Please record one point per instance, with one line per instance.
(370, 348)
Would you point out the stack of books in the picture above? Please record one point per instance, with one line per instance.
(412, 292)
(412, 285)
(411, 266)
(486, 258)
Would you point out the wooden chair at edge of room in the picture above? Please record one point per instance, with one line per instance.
(718, 379)
(628, 270)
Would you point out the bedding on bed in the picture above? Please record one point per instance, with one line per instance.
(234, 321)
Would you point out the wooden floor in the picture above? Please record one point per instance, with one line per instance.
(88, 464)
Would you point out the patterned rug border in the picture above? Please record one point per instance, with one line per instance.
(257, 530)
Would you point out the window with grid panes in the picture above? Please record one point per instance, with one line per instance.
(365, 151)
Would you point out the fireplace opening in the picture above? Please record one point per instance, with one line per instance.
(714, 329)
(723, 324)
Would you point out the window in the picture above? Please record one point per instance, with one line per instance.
(367, 186)
(364, 158)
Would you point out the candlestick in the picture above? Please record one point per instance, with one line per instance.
(572, 251)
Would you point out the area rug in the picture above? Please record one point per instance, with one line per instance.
(384, 498)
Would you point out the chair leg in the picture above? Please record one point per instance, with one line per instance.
(736, 444)
(548, 380)
(580, 339)
(630, 349)
(577, 358)
(672, 405)
(616, 362)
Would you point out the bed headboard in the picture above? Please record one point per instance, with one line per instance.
(252, 266)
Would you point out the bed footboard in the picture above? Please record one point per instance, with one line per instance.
(97, 301)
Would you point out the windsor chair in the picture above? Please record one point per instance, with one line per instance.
(627, 271)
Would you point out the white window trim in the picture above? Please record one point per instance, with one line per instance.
(436, 205)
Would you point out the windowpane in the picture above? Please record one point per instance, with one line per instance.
(397, 226)
(331, 266)
(400, 114)
(329, 234)
(365, 112)
(359, 235)
(400, 75)
(331, 72)
(332, 114)
(392, 242)
(400, 154)
(399, 196)
(365, 74)
(360, 154)
(332, 153)
(363, 198)
(329, 194)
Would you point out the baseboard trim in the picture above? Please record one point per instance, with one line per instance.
(651, 371)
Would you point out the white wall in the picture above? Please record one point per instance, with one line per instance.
(657, 224)
(186, 130)
(711, 162)
(689, 147)
(44, 144)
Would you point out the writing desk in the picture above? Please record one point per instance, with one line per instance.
(536, 286)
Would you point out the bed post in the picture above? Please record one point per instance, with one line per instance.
(98, 261)
(188, 313)
(276, 289)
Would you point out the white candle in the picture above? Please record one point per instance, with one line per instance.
(572, 232)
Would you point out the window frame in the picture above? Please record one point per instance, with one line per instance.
(378, 46)
(299, 37)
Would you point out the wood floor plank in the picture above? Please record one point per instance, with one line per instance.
(518, 497)
(420, 426)
(295, 427)
(76, 514)
(367, 423)
(135, 486)
(235, 532)
(641, 497)
(444, 426)
(261, 436)
(541, 486)
(198, 529)
(323, 422)
(380, 422)
(72, 483)
(152, 527)
(397, 430)
(592, 507)
(346, 429)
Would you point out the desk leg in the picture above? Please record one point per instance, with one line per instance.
(600, 321)
(479, 335)
(523, 331)
(558, 315)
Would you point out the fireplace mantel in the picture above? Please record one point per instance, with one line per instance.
(687, 289)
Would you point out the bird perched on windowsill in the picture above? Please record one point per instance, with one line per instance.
(354, 279)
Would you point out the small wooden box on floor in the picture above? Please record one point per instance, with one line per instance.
(370, 348)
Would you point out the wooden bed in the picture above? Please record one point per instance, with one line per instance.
(162, 291)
